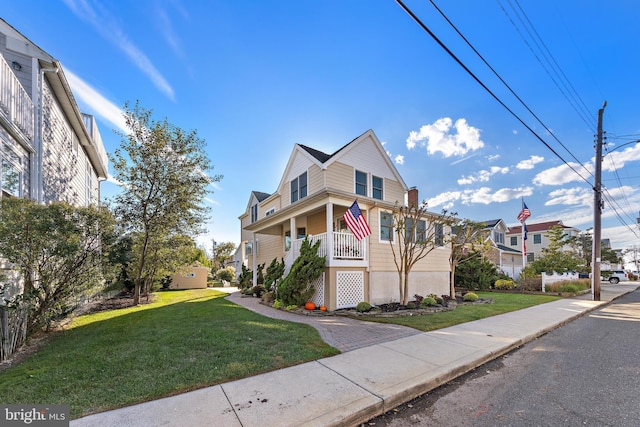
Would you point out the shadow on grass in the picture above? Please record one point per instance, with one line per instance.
(183, 341)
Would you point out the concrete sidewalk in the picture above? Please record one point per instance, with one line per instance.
(358, 385)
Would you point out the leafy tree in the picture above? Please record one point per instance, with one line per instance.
(163, 171)
(467, 244)
(60, 252)
(223, 252)
(297, 288)
(416, 233)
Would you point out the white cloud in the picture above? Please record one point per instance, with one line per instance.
(570, 196)
(530, 162)
(110, 30)
(483, 175)
(438, 137)
(483, 195)
(617, 159)
(96, 103)
(493, 157)
(399, 159)
(562, 174)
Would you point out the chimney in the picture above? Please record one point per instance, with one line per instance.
(412, 197)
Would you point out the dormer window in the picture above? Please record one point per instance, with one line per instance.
(299, 188)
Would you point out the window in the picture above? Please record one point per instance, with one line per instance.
(299, 188)
(248, 248)
(421, 232)
(499, 237)
(376, 187)
(386, 226)
(514, 241)
(530, 257)
(254, 213)
(438, 235)
(10, 178)
(287, 240)
(537, 238)
(270, 212)
(361, 183)
(302, 232)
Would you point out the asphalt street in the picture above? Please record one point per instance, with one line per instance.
(585, 373)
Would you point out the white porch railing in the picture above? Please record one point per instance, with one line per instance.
(345, 246)
(15, 104)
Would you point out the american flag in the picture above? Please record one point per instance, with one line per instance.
(356, 222)
(524, 213)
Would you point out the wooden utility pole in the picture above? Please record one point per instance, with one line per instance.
(597, 212)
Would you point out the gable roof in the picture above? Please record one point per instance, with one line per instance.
(260, 195)
(541, 226)
(323, 160)
(491, 223)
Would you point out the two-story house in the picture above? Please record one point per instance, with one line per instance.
(507, 259)
(537, 239)
(312, 197)
(49, 150)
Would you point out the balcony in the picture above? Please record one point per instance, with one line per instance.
(346, 248)
(15, 105)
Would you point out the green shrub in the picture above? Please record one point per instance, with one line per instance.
(411, 305)
(297, 287)
(278, 304)
(438, 299)
(569, 286)
(363, 307)
(504, 284)
(428, 302)
(228, 274)
(470, 297)
(258, 290)
(291, 307)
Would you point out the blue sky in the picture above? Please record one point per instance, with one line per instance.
(255, 77)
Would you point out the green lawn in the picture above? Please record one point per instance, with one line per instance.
(503, 303)
(183, 341)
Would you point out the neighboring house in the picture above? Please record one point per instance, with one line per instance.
(193, 277)
(507, 259)
(314, 192)
(537, 240)
(49, 150)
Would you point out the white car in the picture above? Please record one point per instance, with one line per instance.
(618, 276)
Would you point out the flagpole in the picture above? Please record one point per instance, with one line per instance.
(524, 254)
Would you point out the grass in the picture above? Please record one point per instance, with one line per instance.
(182, 341)
(503, 303)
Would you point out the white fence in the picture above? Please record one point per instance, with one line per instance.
(549, 278)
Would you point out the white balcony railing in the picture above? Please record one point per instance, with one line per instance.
(345, 246)
(15, 104)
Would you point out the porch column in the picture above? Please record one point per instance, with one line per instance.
(329, 219)
(254, 257)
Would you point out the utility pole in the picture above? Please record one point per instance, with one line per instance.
(597, 212)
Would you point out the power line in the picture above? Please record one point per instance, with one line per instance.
(576, 102)
(506, 84)
(455, 58)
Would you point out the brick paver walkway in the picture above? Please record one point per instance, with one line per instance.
(341, 332)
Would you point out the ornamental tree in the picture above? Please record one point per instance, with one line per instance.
(164, 174)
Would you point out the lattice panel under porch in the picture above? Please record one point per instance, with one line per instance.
(350, 288)
(318, 295)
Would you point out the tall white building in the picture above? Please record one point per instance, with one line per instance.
(49, 150)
